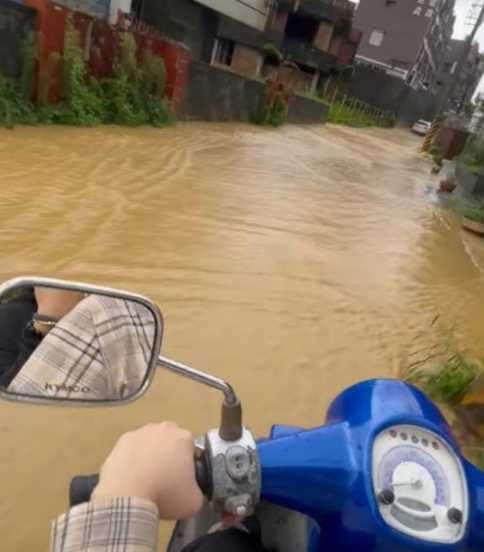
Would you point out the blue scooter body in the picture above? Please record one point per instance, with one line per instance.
(325, 473)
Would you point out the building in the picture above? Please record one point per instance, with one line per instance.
(315, 37)
(405, 38)
(469, 76)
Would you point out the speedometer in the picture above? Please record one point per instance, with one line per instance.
(419, 484)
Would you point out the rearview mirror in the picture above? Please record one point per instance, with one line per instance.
(67, 342)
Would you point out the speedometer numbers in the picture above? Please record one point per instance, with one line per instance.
(419, 484)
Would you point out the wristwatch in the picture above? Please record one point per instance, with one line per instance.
(47, 322)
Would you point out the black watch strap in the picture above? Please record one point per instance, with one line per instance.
(44, 319)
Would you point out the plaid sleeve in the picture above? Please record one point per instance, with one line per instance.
(117, 525)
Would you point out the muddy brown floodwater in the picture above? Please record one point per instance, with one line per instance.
(292, 262)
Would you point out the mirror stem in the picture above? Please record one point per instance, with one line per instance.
(206, 379)
(231, 422)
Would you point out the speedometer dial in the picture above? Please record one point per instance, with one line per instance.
(419, 484)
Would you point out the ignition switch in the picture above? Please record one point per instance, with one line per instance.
(238, 462)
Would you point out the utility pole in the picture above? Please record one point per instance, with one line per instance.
(461, 63)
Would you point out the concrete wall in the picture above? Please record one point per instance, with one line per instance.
(16, 22)
(304, 111)
(253, 13)
(390, 93)
(215, 94)
(184, 21)
(279, 20)
(470, 185)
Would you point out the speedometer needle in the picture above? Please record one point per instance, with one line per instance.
(416, 483)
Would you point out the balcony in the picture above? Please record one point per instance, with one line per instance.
(306, 54)
(327, 9)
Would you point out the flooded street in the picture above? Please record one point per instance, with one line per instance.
(292, 263)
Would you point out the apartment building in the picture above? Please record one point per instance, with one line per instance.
(469, 75)
(316, 36)
(405, 38)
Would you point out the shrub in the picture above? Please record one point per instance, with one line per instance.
(275, 105)
(133, 95)
(450, 382)
(473, 155)
(26, 81)
(273, 55)
(81, 104)
(14, 108)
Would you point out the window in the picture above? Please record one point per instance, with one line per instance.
(223, 51)
(376, 37)
(417, 11)
(429, 13)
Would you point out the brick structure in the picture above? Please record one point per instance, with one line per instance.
(246, 61)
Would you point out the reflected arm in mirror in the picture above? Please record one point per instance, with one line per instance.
(100, 350)
(52, 305)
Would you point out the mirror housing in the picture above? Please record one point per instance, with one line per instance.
(82, 345)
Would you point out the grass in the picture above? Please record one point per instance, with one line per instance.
(450, 382)
(342, 114)
(473, 213)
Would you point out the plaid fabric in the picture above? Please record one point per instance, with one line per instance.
(100, 350)
(118, 525)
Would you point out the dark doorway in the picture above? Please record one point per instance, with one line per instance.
(301, 27)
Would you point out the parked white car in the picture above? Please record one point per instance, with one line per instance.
(421, 127)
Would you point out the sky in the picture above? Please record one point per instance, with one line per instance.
(462, 8)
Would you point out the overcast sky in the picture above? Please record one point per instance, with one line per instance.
(462, 9)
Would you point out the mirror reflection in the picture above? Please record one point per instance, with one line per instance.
(73, 345)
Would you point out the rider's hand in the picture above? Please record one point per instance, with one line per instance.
(155, 462)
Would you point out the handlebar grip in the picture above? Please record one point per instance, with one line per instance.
(81, 488)
(203, 474)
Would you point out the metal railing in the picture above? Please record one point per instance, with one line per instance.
(346, 109)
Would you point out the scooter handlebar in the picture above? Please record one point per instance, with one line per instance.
(82, 486)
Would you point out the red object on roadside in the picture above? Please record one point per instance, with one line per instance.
(447, 186)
